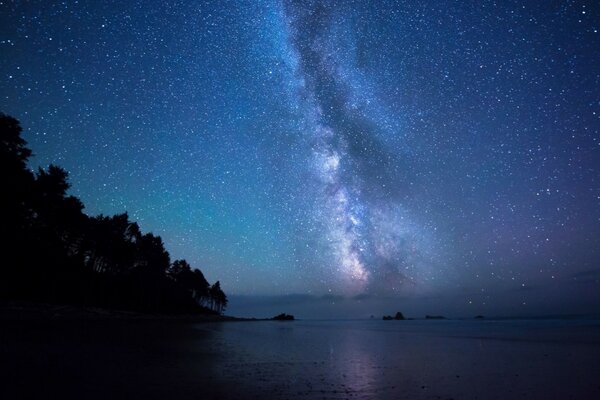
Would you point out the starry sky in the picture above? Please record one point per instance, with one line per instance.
(335, 157)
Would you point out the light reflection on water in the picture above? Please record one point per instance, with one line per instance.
(404, 359)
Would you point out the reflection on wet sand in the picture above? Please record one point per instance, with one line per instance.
(300, 360)
(407, 360)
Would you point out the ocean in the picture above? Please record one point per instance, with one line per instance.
(415, 359)
(367, 359)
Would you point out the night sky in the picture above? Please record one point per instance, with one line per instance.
(332, 157)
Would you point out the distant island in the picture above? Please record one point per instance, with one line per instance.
(399, 316)
(283, 317)
(52, 252)
(435, 317)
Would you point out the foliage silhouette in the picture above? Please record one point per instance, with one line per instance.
(217, 298)
(52, 251)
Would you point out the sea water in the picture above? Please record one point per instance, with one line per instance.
(413, 359)
(369, 359)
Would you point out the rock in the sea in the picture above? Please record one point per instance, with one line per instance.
(283, 317)
(397, 317)
(435, 317)
(479, 317)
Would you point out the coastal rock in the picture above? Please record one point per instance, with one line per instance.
(397, 317)
(283, 317)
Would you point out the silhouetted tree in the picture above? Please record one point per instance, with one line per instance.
(16, 179)
(111, 244)
(13, 148)
(60, 216)
(192, 280)
(152, 256)
(218, 300)
(52, 251)
(200, 287)
(16, 184)
(178, 269)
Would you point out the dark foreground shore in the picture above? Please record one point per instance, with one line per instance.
(65, 352)
(27, 311)
(158, 358)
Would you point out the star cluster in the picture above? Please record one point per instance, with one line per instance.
(355, 148)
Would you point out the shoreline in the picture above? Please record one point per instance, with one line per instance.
(33, 311)
(75, 352)
(21, 310)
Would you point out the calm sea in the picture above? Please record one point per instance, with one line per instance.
(429, 359)
(373, 359)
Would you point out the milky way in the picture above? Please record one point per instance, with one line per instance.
(336, 149)
(348, 160)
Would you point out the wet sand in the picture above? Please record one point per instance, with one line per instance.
(153, 359)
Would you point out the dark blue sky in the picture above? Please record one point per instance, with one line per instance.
(331, 153)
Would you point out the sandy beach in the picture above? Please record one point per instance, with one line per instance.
(153, 359)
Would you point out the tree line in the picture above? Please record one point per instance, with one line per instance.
(51, 251)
